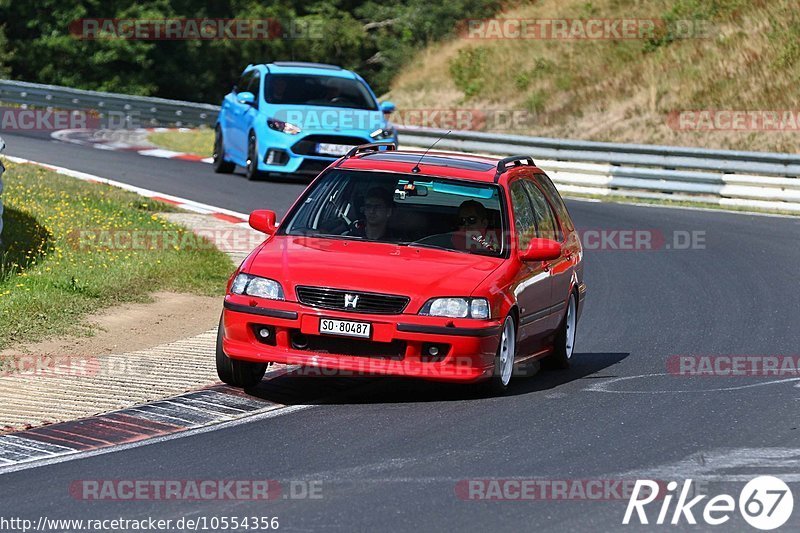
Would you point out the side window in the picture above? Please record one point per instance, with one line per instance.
(244, 81)
(545, 219)
(524, 219)
(555, 199)
(255, 85)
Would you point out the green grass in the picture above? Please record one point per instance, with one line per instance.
(52, 274)
(744, 55)
(199, 141)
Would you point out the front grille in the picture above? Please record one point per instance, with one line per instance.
(395, 350)
(308, 145)
(368, 302)
(312, 167)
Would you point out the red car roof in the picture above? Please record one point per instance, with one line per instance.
(439, 163)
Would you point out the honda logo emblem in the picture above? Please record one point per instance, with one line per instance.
(350, 300)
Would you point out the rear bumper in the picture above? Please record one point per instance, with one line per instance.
(398, 345)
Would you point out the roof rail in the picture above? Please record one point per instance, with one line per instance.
(365, 149)
(371, 147)
(518, 161)
(306, 65)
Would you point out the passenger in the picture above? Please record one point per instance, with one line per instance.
(473, 229)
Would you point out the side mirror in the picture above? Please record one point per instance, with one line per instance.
(246, 98)
(263, 220)
(388, 108)
(541, 250)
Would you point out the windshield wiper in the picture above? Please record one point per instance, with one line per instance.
(328, 236)
(426, 245)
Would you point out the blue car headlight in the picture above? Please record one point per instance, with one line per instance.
(284, 127)
(256, 286)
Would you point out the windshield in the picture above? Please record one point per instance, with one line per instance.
(397, 208)
(329, 91)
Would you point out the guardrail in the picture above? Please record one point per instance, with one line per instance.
(725, 177)
(132, 110)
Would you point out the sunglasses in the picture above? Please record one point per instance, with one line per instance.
(373, 207)
(468, 221)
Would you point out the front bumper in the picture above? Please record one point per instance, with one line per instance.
(297, 154)
(398, 344)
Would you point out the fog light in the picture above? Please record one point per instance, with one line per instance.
(299, 341)
(276, 157)
(264, 334)
(432, 352)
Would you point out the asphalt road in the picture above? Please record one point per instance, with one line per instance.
(390, 454)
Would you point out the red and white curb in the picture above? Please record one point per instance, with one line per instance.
(125, 141)
(192, 413)
(176, 417)
(189, 205)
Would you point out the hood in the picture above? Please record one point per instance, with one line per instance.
(419, 273)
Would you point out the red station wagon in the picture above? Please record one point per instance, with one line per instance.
(447, 267)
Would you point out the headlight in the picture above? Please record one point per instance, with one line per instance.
(285, 127)
(383, 133)
(457, 308)
(255, 286)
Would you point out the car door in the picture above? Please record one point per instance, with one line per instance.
(250, 112)
(549, 227)
(236, 113)
(532, 286)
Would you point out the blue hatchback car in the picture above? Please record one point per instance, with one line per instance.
(293, 117)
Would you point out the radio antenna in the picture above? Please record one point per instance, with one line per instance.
(416, 168)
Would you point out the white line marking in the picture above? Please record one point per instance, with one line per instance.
(712, 465)
(603, 386)
(158, 152)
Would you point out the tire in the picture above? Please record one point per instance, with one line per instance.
(241, 374)
(220, 165)
(565, 338)
(251, 168)
(497, 385)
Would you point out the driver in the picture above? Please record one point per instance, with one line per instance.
(377, 209)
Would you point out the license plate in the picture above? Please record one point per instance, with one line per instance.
(344, 327)
(333, 149)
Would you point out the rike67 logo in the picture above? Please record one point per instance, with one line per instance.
(765, 503)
